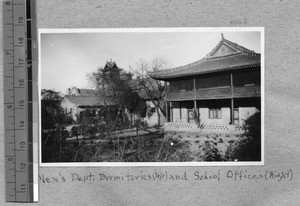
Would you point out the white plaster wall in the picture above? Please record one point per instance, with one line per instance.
(153, 119)
(66, 104)
(184, 115)
(245, 113)
(226, 115)
(176, 115)
(73, 91)
(204, 116)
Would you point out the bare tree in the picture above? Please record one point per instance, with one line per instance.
(154, 89)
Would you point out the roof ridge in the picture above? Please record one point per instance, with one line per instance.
(163, 71)
(240, 50)
(238, 47)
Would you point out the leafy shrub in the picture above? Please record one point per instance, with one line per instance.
(211, 151)
(75, 131)
(248, 147)
(175, 149)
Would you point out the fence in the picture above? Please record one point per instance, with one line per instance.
(204, 128)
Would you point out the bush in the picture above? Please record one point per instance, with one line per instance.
(248, 147)
(175, 149)
(75, 131)
(210, 151)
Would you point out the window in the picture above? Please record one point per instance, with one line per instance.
(70, 110)
(215, 114)
(153, 109)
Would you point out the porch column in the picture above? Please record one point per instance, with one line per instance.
(171, 112)
(231, 84)
(195, 101)
(232, 101)
(194, 88)
(167, 111)
(180, 113)
(232, 111)
(196, 111)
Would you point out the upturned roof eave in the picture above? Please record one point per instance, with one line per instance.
(173, 76)
(238, 51)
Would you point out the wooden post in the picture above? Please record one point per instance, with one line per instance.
(167, 111)
(180, 113)
(195, 88)
(166, 90)
(232, 101)
(195, 102)
(231, 84)
(196, 111)
(171, 112)
(232, 111)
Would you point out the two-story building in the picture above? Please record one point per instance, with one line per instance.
(216, 93)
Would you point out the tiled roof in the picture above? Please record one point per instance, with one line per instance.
(238, 57)
(87, 92)
(87, 101)
(111, 65)
(90, 97)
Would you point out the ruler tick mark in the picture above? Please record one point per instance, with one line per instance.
(17, 47)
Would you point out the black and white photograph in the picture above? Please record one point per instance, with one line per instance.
(152, 96)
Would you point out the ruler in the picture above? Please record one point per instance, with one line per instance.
(20, 100)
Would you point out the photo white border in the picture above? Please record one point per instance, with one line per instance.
(149, 30)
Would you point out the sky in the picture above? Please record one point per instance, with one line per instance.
(67, 56)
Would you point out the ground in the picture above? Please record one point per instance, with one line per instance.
(198, 142)
(176, 146)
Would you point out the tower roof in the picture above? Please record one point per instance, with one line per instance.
(111, 65)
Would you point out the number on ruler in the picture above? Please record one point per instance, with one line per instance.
(22, 123)
(20, 20)
(21, 103)
(21, 40)
(23, 186)
(21, 82)
(10, 106)
(10, 159)
(22, 166)
(22, 145)
(21, 62)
